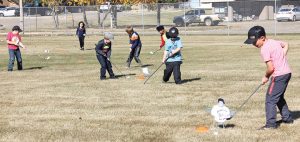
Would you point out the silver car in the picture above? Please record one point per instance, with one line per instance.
(288, 14)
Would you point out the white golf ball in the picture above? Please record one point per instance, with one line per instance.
(216, 133)
(127, 76)
(46, 51)
(47, 58)
(151, 52)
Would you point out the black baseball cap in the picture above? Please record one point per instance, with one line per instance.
(160, 27)
(173, 32)
(16, 28)
(255, 33)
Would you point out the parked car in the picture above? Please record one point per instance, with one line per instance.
(31, 9)
(288, 14)
(7, 11)
(196, 16)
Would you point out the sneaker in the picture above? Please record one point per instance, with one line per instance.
(127, 64)
(285, 122)
(267, 128)
(102, 78)
(9, 70)
(113, 77)
(179, 82)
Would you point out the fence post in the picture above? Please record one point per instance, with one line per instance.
(143, 19)
(275, 23)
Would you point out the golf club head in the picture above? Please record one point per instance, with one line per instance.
(151, 53)
(232, 114)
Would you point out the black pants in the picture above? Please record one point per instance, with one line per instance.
(105, 65)
(175, 68)
(81, 42)
(275, 97)
(135, 53)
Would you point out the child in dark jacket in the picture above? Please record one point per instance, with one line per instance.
(103, 53)
(80, 32)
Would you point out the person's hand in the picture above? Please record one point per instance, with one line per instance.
(130, 49)
(163, 60)
(108, 59)
(171, 54)
(264, 80)
(17, 43)
(84, 34)
(24, 47)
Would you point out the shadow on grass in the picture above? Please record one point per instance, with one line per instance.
(295, 114)
(143, 66)
(34, 68)
(90, 49)
(124, 75)
(226, 126)
(190, 80)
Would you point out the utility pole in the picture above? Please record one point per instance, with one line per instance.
(21, 14)
(158, 11)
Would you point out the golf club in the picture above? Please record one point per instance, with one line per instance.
(155, 51)
(239, 109)
(117, 68)
(153, 72)
(156, 70)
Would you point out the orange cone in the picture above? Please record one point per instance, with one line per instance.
(202, 129)
(141, 77)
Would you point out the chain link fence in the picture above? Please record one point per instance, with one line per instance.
(226, 18)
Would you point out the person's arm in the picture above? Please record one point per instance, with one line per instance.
(17, 43)
(134, 40)
(21, 45)
(134, 44)
(162, 44)
(77, 31)
(165, 56)
(108, 54)
(269, 72)
(98, 48)
(84, 32)
(173, 52)
(178, 49)
(11, 42)
(285, 47)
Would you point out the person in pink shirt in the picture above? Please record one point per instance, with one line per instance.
(273, 54)
(14, 41)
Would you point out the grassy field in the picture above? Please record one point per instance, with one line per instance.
(62, 99)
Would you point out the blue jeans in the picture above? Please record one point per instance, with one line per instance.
(12, 54)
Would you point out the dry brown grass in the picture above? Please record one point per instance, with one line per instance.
(62, 99)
